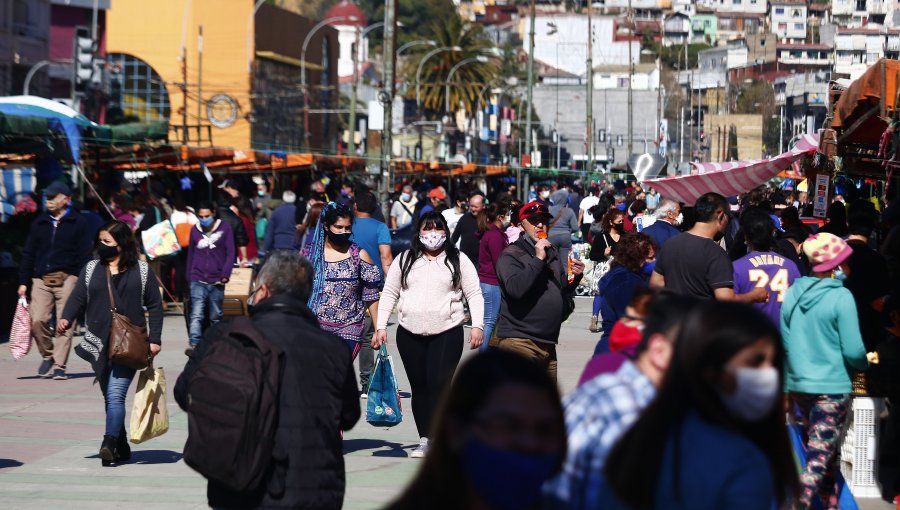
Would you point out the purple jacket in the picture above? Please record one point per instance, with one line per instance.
(211, 254)
(492, 244)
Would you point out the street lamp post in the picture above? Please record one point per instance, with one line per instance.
(419, 85)
(360, 36)
(479, 58)
(306, 41)
(410, 44)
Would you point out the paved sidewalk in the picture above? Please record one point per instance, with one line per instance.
(50, 432)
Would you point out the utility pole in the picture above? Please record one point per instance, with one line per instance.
(630, 79)
(351, 139)
(387, 97)
(184, 132)
(530, 86)
(200, 82)
(589, 126)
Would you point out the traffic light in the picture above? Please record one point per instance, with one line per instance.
(85, 74)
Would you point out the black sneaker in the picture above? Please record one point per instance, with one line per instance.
(46, 368)
(59, 374)
(364, 394)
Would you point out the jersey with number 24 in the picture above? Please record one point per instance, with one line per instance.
(770, 271)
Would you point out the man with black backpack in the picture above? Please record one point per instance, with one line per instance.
(267, 398)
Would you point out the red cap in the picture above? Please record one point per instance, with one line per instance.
(437, 193)
(532, 209)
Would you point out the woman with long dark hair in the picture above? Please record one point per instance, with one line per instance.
(715, 435)
(603, 243)
(500, 436)
(306, 230)
(345, 279)
(496, 217)
(428, 283)
(133, 288)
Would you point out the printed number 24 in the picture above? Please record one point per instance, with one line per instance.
(777, 285)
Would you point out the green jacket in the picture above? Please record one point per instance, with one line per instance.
(822, 342)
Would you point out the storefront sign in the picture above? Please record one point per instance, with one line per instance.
(820, 196)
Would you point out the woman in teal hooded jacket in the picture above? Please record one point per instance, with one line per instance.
(823, 345)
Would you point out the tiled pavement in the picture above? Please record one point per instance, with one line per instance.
(50, 432)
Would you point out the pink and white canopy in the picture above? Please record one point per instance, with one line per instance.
(731, 178)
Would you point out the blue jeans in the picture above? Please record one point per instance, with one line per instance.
(491, 295)
(596, 310)
(116, 389)
(205, 297)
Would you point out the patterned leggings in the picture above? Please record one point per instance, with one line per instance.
(822, 420)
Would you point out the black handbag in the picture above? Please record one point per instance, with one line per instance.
(128, 344)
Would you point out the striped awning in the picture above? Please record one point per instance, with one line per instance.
(731, 178)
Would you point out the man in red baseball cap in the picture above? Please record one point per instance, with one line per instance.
(536, 296)
(437, 201)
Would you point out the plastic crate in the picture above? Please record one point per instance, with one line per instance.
(859, 448)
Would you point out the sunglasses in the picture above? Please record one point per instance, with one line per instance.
(534, 209)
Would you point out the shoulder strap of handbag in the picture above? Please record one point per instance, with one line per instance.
(558, 216)
(143, 267)
(112, 299)
(406, 209)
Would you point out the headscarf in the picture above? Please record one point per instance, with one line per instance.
(315, 252)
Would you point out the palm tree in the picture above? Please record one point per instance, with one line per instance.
(467, 80)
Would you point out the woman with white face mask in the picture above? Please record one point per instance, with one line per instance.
(715, 434)
(428, 283)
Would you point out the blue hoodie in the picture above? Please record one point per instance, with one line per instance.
(821, 337)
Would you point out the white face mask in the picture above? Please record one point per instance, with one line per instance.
(433, 239)
(755, 394)
(545, 195)
(138, 219)
(406, 197)
(679, 219)
(507, 220)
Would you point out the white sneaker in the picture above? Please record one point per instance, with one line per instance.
(420, 451)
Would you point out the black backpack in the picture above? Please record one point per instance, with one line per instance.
(232, 406)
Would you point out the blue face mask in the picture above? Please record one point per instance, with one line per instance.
(207, 222)
(506, 480)
(621, 207)
(647, 268)
(840, 275)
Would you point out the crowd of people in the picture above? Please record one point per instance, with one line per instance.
(719, 324)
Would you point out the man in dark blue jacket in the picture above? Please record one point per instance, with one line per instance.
(281, 232)
(59, 243)
(668, 217)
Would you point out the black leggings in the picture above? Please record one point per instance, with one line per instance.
(430, 362)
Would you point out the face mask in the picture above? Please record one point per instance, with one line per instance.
(620, 227)
(106, 252)
(545, 195)
(260, 192)
(433, 240)
(679, 219)
(647, 268)
(755, 393)
(342, 239)
(207, 222)
(839, 274)
(138, 219)
(620, 207)
(506, 480)
(406, 197)
(623, 337)
(507, 220)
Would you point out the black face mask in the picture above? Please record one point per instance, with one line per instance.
(338, 239)
(106, 252)
(620, 227)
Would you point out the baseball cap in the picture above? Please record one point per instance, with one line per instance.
(437, 193)
(57, 188)
(826, 251)
(534, 211)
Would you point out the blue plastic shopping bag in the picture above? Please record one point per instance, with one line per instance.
(845, 497)
(383, 408)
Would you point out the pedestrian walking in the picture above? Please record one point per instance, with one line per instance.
(715, 435)
(307, 229)
(57, 247)
(630, 269)
(436, 202)
(562, 226)
(117, 273)
(493, 241)
(428, 283)
(281, 231)
(585, 218)
(239, 234)
(867, 276)
(611, 228)
(694, 264)
(403, 212)
(824, 347)
(346, 281)
(210, 261)
(185, 220)
(501, 438)
(453, 214)
(535, 295)
(318, 396)
(466, 234)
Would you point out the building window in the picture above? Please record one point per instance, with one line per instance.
(779, 10)
(798, 26)
(137, 93)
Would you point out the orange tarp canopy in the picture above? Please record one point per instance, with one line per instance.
(865, 93)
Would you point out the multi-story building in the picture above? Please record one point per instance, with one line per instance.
(704, 28)
(736, 25)
(643, 77)
(855, 49)
(788, 18)
(807, 55)
(24, 41)
(676, 29)
(740, 6)
(856, 13)
(801, 100)
(560, 41)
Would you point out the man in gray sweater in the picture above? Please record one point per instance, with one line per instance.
(536, 296)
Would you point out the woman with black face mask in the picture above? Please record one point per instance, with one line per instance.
(346, 281)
